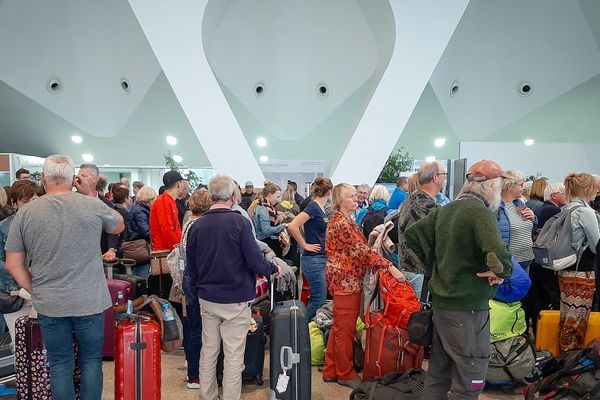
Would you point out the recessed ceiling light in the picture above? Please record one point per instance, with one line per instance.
(264, 159)
(76, 139)
(430, 159)
(439, 142)
(172, 140)
(177, 158)
(261, 142)
(528, 142)
(87, 157)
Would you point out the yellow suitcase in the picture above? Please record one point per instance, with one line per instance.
(546, 337)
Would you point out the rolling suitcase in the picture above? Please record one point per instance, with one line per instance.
(290, 352)
(546, 337)
(31, 365)
(139, 286)
(254, 355)
(120, 293)
(137, 359)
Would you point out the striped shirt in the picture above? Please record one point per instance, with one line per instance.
(520, 245)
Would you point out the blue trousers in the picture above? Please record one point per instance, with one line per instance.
(313, 267)
(57, 333)
(192, 337)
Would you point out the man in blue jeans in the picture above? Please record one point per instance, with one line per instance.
(59, 235)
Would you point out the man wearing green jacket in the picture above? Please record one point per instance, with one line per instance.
(462, 250)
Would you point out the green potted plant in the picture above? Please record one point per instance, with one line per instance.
(399, 161)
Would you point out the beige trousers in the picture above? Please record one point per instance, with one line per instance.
(228, 323)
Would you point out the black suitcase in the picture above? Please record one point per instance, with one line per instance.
(139, 286)
(254, 356)
(290, 350)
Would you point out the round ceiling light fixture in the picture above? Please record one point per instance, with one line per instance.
(430, 159)
(54, 85)
(259, 89)
(177, 158)
(87, 157)
(439, 142)
(171, 140)
(524, 88)
(261, 142)
(76, 139)
(125, 85)
(264, 159)
(322, 90)
(528, 142)
(454, 87)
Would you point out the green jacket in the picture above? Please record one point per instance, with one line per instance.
(452, 242)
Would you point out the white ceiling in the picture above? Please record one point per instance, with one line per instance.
(554, 44)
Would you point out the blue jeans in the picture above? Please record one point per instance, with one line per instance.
(192, 337)
(142, 271)
(416, 281)
(57, 333)
(313, 268)
(525, 265)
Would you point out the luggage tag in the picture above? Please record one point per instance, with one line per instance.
(282, 382)
(181, 260)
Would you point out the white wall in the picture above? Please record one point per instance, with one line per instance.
(552, 160)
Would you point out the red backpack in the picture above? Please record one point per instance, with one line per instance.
(399, 298)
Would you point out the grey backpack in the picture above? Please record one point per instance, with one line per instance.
(511, 359)
(554, 248)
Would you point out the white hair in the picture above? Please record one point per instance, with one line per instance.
(58, 169)
(379, 192)
(553, 188)
(364, 185)
(527, 188)
(489, 190)
(221, 188)
(515, 178)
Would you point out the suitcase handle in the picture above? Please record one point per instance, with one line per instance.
(293, 358)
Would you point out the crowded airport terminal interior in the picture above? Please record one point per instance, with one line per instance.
(294, 200)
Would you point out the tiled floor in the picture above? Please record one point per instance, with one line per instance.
(174, 385)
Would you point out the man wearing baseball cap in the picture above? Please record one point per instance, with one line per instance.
(463, 252)
(165, 231)
(248, 195)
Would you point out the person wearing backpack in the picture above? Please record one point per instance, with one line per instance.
(368, 218)
(577, 283)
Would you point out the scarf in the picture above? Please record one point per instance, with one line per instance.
(272, 212)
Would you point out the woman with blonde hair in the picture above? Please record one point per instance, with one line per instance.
(413, 183)
(348, 257)
(578, 283)
(536, 195)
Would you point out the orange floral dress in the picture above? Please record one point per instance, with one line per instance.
(348, 256)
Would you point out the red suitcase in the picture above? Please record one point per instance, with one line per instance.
(137, 360)
(120, 293)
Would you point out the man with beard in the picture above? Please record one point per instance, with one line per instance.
(461, 247)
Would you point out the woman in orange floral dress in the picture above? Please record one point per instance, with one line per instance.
(348, 257)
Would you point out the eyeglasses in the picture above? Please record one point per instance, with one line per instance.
(363, 193)
(442, 173)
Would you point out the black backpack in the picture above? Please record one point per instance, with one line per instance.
(406, 385)
(572, 375)
(373, 219)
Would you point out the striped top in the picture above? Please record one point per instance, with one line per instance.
(520, 245)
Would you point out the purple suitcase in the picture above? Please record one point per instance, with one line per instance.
(31, 365)
(120, 293)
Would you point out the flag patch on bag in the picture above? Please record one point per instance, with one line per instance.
(476, 384)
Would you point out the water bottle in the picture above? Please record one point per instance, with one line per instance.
(167, 313)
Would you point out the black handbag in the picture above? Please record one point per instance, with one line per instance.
(420, 324)
(10, 304)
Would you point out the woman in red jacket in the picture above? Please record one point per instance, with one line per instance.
(348, 257)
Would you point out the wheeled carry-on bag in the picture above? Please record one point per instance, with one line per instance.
(31, 365)
(546, 337)
(137, 359)
(139, 286)
(254, 355)
(120, 293)
(290, 352)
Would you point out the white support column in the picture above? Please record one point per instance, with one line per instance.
(174, 31)
(423, 30)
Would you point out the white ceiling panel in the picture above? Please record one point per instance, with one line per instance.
(501, 43)
(90, 46)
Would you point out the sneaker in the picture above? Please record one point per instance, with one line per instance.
(352, 383)
(194, 383)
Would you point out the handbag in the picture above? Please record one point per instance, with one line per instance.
(420, 324)
(158, 262)
(10, 303)
(138, 250)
